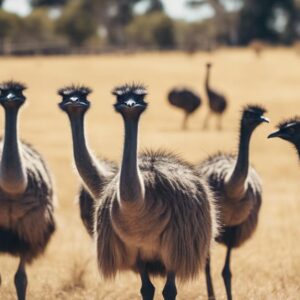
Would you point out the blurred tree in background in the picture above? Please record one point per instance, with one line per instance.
(154, 30)
(274, 21)
(10, 25)
(76, 23)
(269, 20)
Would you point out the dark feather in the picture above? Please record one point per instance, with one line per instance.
(12, 85)
(286, 122)
(130, 89)
(258, 109)
(80, 90)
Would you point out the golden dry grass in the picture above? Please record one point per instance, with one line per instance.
(268, 266)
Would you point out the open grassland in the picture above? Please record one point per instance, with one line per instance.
(268, 266)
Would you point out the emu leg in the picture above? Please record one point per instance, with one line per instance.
(184, 123)
(209, 284)
(170, 291)
(205, 123)
(147, 289)
(21, 280)
(226, 273)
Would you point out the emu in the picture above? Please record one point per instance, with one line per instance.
(155, 216)
(217, 102)
(184, 99)
(238, 191)
(289, 130)
(75, 97)
(26, 192)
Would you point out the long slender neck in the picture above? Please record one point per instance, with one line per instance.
(235, 185)
(207, 78)
(297, 145)
(131, 188)
(89, 170)
(13, 177)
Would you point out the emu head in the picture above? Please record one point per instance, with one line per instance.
(74, 98)
(130, 100)
(288, 130)
(11, 94)
(253, 116)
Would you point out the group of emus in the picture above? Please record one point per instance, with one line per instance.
(155, 214)
(189, 101)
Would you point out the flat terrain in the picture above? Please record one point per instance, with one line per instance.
(268, 266)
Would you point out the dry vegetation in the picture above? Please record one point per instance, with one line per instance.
(268, 266)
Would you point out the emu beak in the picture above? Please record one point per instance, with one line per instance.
(130, 103)
(264, 119)
(275, 134)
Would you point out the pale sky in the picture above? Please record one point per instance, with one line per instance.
(175, 8)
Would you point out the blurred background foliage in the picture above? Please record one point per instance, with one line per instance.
(63, 26)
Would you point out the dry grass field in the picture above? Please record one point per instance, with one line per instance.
(268, 266)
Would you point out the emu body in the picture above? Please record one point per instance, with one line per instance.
(184, 99)
(26, 220)
(160, 232)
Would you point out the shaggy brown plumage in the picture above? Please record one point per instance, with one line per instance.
(243, 213)
(27, 221)
(173, 229)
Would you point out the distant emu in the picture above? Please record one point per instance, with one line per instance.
(155, 216)
(217, 102)
(185, 99)
(26, 193)
(75, 104)
(238, 192)
(289, 130)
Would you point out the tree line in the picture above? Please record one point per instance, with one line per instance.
(117, 24)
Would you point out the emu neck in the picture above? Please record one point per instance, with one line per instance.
(297, 145)
(131, 188)
(91, 173)
(207, 78)
(13, 177)
(236, 184)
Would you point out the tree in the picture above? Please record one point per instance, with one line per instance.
(152, 30)
(275, 21)
(225, 22)
(10, 25)
(38, 26)
(76, 23)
